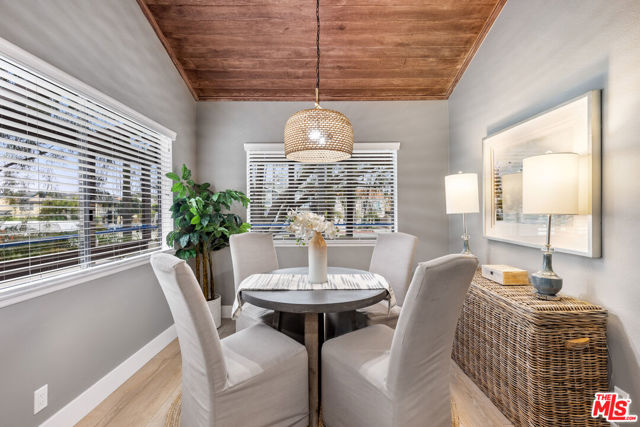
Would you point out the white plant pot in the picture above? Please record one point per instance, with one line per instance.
(317, 259)
(215, 305)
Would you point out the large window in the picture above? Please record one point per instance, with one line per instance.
(358, 194)
(80, 183)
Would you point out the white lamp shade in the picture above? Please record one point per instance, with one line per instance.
(550, 184)
(461, 192)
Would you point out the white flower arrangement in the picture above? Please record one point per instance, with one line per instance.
(304, 224)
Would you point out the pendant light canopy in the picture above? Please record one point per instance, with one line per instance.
(318, 135)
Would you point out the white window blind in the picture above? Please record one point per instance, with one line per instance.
(80, 183)
(358, 194)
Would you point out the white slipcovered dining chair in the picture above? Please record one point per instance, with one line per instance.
(252, 253)
(377, 377)
(255, 377)
(393, 259)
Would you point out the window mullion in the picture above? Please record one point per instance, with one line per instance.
(87, 233)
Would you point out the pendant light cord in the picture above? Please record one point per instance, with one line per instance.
(317, 52)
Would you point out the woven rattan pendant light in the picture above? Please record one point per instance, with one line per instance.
(318, 135)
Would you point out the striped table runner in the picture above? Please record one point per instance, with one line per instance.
(300, 282)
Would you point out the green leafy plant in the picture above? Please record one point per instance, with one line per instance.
(202, 223)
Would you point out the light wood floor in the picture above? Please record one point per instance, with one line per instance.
(146, 397)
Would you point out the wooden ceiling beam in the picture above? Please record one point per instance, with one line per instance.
(301, 83)
(327, 65)
(346, 41)
(174, 28)
(327, 75)
(327, 94)
(338, 52)
(305, 12)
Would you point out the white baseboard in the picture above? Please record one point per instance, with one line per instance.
(79, 407)
(226, 311)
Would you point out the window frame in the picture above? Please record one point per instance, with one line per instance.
(52, 281)
(360, 147)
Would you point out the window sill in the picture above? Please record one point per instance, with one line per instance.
(26, 291)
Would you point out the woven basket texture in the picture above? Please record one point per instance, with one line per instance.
(318, 135)
(522, 353)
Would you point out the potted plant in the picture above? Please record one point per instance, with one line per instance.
(203, 224)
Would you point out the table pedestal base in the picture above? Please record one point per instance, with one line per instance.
(312, 343)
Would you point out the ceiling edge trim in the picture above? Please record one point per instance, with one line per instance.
(156, 28)
(476, 45)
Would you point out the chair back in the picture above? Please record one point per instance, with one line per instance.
(203, 367)
(252, 253)
(393, 259)
(420, 358)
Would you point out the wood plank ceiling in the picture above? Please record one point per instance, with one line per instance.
(370, 49)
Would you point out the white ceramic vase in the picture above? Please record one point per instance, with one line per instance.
(215, 305)
(317, 259)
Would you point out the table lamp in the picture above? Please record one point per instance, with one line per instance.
(549, 187)
(461, 193)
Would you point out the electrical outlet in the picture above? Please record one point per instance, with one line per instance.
(622, 395)
(40, 398)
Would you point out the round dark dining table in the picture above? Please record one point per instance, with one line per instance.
(314, 304)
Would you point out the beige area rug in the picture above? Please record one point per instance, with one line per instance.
(173, 416)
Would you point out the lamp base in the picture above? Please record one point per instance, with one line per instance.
(466, 250)
(546, 282)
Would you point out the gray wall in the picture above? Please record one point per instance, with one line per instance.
(537, 55)
(420, 127)
(70, 339)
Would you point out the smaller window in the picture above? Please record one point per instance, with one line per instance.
(358, 194)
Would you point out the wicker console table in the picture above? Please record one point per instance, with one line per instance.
(540, 362)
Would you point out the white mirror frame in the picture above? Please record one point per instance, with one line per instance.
(586, 109)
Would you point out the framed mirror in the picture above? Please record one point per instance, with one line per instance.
(574, 126)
